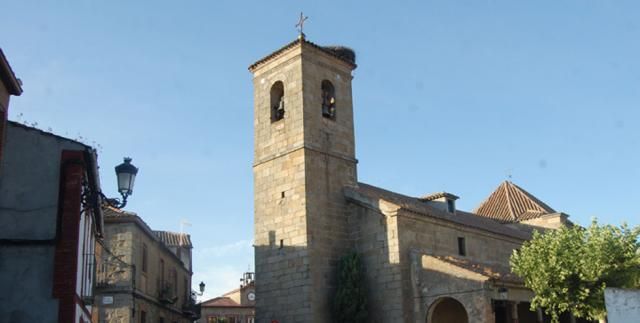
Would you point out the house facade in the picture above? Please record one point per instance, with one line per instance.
(50, 218)
(236, 306)
(424, 260)
(143, 275)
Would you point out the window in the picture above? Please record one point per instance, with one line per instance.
(328, 100)
(143, 317)
(451, 206)
(161, 274)
(277, 101)
(187, 289)
(462, 248)
(145, 258)
(174, 275)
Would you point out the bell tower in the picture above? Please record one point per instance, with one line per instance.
(304, 155)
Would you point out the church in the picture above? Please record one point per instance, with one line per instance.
(424, 260)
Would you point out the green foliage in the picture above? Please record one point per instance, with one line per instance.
(350, 303)
(568, 269)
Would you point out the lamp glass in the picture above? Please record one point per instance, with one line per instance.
(125, 183)
(201, 287)
(126, 173)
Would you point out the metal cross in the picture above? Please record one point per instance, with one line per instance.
(300, 24)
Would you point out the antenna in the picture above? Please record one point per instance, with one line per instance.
(183, 223)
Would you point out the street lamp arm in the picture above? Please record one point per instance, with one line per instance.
(114, 202)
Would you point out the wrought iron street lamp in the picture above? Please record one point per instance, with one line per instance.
(201, 288)
(126, 174)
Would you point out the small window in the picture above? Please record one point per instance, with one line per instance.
(328, 100)
(272, 239)
(451, 206)
(145, 258)
(161, 278)
(462, 248)
(187, 289)
(277, 101)
(143, 317)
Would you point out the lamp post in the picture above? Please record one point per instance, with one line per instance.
(126, 175)
(201, 288)
(194, 293)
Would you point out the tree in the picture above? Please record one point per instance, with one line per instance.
(350, 303)
(569, 268)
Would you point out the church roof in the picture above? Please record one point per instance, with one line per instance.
(510, 203)
(374, 194)
(434, 196)
(343, 53)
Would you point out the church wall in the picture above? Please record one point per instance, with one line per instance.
(283, 284)
(551, 221)
(333, 136)
(275, 139)
(375, 239)
(302, 162)
(470, 293)
(434, 237)
(329, 166)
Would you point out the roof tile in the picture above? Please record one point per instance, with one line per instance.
(510, 203)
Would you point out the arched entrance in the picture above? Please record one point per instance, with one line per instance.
(447, 310)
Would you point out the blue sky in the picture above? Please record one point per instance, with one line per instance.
(448, 95)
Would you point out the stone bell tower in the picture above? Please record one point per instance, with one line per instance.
(304, 155)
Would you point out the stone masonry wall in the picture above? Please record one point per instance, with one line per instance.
(126, 240)
(282, 266)
(330, 165)
(435, 237)
(301, 164)
(375, 238)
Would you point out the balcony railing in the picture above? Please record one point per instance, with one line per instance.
(191, 307)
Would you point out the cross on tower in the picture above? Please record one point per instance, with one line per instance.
(300, 24)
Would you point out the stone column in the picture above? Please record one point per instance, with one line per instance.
(540, 316)
(514, 312)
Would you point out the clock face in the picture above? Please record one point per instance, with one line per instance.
(251, 296)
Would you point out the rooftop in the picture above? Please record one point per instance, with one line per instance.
(373, 194)
(174, 238)
(345, 54)
(222, 301)
(8, 78)
(510, 203)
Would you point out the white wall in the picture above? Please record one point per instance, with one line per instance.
(623, 305)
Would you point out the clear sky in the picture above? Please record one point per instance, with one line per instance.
(448, 95)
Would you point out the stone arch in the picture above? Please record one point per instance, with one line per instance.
(328, 100)
(447, 310)
(277, 101)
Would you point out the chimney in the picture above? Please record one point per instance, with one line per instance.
(443, 201)
(9, 85)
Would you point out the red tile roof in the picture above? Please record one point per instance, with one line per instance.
(222, 302)
(174, 239)
(510, 203)
(433, 196)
